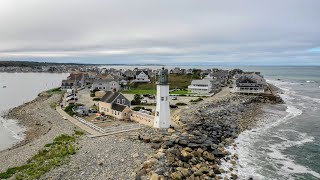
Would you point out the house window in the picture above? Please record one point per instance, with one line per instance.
(166, 98)
(157, 113)
(162, 98)
(118, 113)
(118, 101)
(123, 101)
(125, 114)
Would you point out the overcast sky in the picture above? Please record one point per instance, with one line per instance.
(161, 31)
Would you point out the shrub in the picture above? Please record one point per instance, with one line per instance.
(181, 104)
(196, 100)
(96, 99)
(137, 108)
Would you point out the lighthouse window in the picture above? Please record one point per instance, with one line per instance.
(162, 98)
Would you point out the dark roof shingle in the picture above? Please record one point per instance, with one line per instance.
(118, 107)
(110, 96)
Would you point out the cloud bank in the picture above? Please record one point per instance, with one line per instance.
(142, 31)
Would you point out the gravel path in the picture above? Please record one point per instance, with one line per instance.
(108, 157)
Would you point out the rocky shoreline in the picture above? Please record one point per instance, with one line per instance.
(34, 124)
(197, 149)
(194, 149)
(109, 157)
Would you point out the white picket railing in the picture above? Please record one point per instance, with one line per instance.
(89, 124)
(111, 129)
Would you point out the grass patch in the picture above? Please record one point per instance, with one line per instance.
(55, 91)
(177, 81)
(139, 91)
(180, 92)
(52, 155)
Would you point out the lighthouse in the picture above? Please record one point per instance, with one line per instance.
(162, 115)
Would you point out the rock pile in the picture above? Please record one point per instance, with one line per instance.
(195, 151)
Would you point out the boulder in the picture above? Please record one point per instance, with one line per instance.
(154, 176)
(146, 139)
(149, 163)
(156, 139)
(186, 154)
(176, 176)
(193, 145)
(208, 156)
(217, 153)
(171, 130)
(183, 142)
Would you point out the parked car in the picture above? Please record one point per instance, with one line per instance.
(144, 101)
(174, 98)
(69, 95)
(72, 99)
(92, 110)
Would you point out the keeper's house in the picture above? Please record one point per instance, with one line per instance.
(116, 105)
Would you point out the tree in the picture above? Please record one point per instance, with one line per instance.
(136, 99)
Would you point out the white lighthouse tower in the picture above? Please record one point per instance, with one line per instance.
(162, 115)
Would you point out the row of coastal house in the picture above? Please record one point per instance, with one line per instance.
(104, 82)
(210, 84)
(244, 83)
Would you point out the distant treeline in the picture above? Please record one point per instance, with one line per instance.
(34, 64)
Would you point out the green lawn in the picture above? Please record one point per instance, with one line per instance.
(179, 92)
(140, 91)
(176, 81)
(55, 91)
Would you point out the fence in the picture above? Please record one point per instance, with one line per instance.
(111, 129)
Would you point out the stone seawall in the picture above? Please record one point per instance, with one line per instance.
(196, 150)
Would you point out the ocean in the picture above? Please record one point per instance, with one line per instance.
(284, 145)
(286, 142)
(21, 88)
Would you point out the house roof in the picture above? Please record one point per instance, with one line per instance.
(138, 72)
(74, 76)
(118, 107)
(103, 80)
(252, 78)
(110, 96)
(202, 81)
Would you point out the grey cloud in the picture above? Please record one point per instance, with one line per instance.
(160, 31)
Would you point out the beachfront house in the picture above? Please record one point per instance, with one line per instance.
(250, 84)
(204, 86)
(105, 85)
(74, 80)
(116, 105)
(142, 76)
